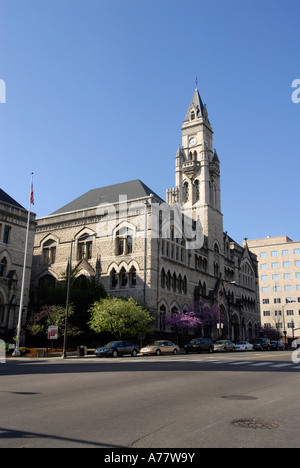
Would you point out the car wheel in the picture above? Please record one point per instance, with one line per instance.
(158, 353)
(115, 353)
(186, 351)
(134, 353)
(175, 351)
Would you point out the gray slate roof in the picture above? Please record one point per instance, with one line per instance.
(133, 189)
(197, 103)
(4, 197)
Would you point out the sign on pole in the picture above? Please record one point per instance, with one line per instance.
(52, 333)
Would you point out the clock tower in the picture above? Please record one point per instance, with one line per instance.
(197, 170)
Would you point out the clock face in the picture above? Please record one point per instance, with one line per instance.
(193, 141)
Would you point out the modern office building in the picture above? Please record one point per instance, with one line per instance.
(279, 283)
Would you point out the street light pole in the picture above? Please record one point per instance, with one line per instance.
(284, 330)
(219, 304)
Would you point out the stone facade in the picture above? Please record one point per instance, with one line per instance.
(170, 255)
(13, 225)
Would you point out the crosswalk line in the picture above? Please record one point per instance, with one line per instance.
(283, 364)
(258, 364)
(240, 363)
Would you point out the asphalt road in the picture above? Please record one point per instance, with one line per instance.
(151, 402)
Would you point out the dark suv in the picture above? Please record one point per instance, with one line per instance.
(197, 345)
(262, 344)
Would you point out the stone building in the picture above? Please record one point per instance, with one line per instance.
(13, 225)
(170, 255)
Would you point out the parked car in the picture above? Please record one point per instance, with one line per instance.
(295, 344)
(224, 345)
(243, 346)
(197, 345)
(117, 348)
(262, 344)
(161, 347)
(277, 345)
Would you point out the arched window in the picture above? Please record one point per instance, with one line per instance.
(174, 282)
(124, 241)
(84, 249)
(169, 280)
(162, 317)
(193, 115)
(47, 281)
(184, 287)
(132, 277)
(2, 309)
(49, 252)
(185, 192)
(113, 278)
(163, 279)
(123, 278)
(197, 190)
(3, 267)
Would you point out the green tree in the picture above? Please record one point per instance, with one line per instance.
(52, 315)
(120, 317)
(83, 293)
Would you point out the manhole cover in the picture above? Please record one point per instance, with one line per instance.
(255, 424)
(239, 397)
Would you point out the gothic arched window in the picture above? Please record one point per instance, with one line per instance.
(124, 241)
(113, 278)
(3, 265)
(132, 277)
(197, 190)
(84, 249)
(123, 277)
(185, 192)
(2, 309)
(49, 252)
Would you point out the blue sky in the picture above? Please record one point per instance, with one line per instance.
(97, 90)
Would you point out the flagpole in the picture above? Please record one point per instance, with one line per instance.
(17, 349)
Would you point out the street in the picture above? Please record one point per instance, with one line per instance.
(187, 401)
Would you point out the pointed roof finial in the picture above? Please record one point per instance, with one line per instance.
(196, 82)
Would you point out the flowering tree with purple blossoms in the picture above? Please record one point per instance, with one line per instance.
(195, 318)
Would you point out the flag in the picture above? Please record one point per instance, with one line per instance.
(31, 195)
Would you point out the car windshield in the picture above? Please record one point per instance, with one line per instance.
(195, 340)
(242, 342)
(112, 344)
(220, 342)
